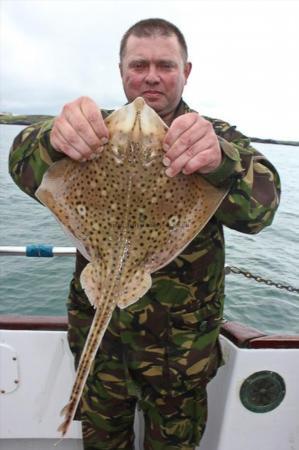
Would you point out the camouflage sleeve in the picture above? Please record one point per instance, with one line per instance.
(31, 155)
(253, 182)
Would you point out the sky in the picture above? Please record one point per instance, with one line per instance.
(244, 55)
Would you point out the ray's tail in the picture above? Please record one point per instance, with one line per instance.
(99, 325)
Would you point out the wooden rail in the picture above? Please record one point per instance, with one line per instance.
(241, 335)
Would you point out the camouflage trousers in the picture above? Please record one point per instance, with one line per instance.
(157, 357)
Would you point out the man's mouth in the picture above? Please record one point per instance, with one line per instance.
(152, 93)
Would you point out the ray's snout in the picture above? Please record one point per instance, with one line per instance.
(138, 104)
(147, 122)
(135, 122)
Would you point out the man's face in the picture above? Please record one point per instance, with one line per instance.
(154, 68)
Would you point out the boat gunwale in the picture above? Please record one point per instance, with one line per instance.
(241, 335)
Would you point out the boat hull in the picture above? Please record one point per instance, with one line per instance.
(39, 373)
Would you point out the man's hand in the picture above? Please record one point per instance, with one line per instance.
(191, 145)
(79, 131)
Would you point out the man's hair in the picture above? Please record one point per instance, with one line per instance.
(153, 28)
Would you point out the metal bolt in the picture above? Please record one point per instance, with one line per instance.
(16, 381)
(2, 391)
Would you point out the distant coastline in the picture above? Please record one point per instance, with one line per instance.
(24, 119)
(274, 141)
(29, 119)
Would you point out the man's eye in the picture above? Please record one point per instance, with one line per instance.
(138, 65)
(166, 65)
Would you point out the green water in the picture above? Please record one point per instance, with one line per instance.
(37, 286)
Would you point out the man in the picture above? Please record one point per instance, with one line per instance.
(162, 351)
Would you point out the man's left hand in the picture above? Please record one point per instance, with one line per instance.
(191, 145)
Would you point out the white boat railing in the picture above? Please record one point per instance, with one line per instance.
(37, 250)
(48, 251)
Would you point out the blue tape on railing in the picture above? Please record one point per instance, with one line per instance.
(40, 250)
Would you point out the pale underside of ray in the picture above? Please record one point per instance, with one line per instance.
(126, 217)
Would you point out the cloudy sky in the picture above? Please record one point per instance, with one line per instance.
(244, 55)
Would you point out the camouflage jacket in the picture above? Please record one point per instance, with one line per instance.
(197, 274)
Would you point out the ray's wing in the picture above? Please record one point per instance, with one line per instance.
(182, 228)
(51, 193)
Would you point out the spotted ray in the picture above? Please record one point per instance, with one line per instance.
(126, 217)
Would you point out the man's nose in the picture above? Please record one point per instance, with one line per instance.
(152, 76)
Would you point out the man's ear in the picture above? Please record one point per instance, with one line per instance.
(187, 70)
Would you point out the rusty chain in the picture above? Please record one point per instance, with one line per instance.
(259, 279)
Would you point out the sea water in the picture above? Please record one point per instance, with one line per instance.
(39, 286)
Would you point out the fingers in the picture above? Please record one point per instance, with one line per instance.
(180, 130)
(203, 162)
(94, 117)
(79, 131)
(191, 145)
(198, 158)
(62, 145)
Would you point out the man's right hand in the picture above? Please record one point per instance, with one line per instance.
(79, 131)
